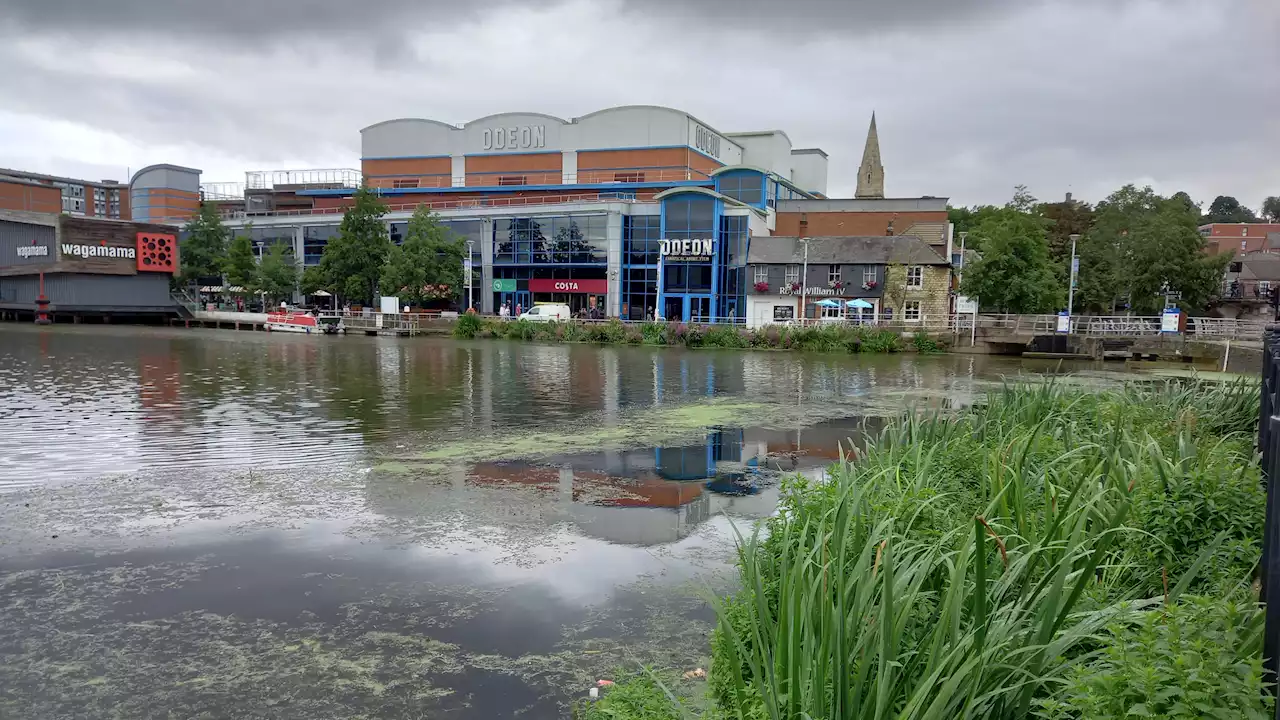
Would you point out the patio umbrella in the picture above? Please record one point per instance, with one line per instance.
(859, 304)
(827, 303)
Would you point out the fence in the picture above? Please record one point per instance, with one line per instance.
(1269, 445)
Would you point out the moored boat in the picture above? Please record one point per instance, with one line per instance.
(304, 323)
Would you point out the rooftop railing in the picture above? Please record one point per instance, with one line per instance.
(445, 204)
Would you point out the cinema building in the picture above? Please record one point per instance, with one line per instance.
(87, 268)
(638, 210)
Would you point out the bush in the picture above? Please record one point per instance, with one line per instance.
(1199, 658)
(881, 341)
(635, 696)
(925, 344)
(467, 326)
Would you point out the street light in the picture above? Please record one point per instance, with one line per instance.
(804, 278)
(1071, 283)
(467, 266)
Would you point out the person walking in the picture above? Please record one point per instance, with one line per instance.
(518, 309)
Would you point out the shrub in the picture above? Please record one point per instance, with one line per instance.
(881, 341)
(634, 696)
(467, 326)
(925, 344)
(1198, 658)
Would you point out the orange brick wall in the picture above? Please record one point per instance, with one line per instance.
(852, 223)
(430, 172)
(31, 198)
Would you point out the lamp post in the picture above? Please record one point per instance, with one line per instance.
(1071, 283)
(804, 278)
(467, 267)
(960, 275)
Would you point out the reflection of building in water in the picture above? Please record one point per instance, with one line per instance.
(636, 497)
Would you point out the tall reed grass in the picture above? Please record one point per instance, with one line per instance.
(966, 566)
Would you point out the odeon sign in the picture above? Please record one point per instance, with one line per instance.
(695, 250)
(514, 138)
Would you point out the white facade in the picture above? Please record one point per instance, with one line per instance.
(629, 127)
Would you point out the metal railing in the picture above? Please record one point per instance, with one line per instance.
(517, 178)
(448, 204)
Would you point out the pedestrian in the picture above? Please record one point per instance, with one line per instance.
(518, 309)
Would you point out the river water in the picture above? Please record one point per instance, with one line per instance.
(220, 524)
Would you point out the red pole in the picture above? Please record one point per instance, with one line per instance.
(42, 305)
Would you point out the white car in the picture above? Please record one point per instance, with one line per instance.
(547, 312)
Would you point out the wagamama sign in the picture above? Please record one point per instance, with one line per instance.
(99, 251)
(696, 250)
(30, 251)
(514, 138)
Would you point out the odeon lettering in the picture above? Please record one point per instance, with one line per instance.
(706, 141)
(693, 250)
(102, 251)
(514, 138)
(29, 251)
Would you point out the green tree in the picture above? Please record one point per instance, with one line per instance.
(428, 265)
(1226, 209)
(965, 219)
(1067, 218)
(204, 249)
(353, 261)
(1271, 209)
(277, 273)
(1015, 273)
(1141, 246)
(241, 268)
(312, 280)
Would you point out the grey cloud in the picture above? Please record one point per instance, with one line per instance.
(236, 18)
(973, 97)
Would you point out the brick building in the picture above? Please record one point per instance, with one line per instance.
(1241, 238)
(166, 194)
(635, 210)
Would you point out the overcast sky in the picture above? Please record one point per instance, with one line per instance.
(972, 96)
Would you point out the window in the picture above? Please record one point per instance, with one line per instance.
(761, 274)
(628, 177)
(793, 274)
(512, 180)
(743, 187)
(1264, 286)
(784, 312)
(833, 274)
(410, 183)
(915, 277)
(869, 275)
(911, 311)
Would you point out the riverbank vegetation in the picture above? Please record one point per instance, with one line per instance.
(817, 338)
(1053, 553)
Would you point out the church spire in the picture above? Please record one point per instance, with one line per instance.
(871, 172)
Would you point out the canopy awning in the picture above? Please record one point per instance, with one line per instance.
(859, 304)
(827, 303)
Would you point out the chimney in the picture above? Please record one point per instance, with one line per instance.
(1068, 198)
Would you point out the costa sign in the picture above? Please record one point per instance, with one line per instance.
(592, 287)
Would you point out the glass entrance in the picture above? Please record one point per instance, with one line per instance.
(673, 307)
(698, 309)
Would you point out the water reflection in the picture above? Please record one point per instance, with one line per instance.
(252, 552)
(89, 401)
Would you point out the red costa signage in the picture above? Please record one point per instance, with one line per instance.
(594, 287)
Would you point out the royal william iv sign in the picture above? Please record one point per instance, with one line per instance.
(697, 250)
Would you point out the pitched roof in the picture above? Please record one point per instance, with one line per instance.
(844, 250)
(1260, 266)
